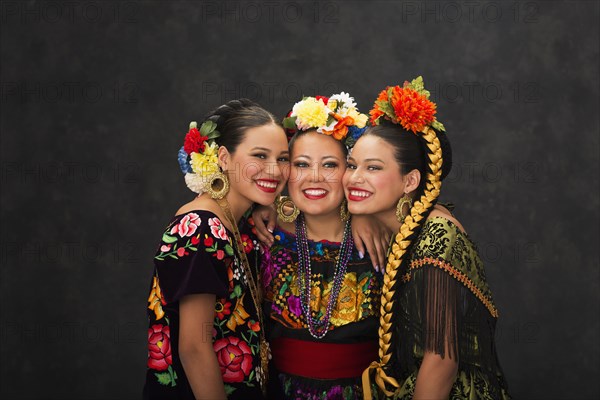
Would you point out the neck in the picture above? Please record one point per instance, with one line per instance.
(325, 227)
(388, 219)
(238, 204)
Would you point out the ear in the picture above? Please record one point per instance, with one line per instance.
(224, 158)
(412, 180)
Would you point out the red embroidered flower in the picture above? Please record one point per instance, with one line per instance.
(187, 226)
(181, 252)
(254, 325)
(194, 141)
(195, 240)
(235, 358)
(217, 228)
(247, 242)
(208, 241)
(252, 224)
(222, 308)
(220, 254)
(159, 347)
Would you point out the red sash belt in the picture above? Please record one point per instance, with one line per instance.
(319, 360)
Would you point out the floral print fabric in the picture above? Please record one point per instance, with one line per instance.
(196, 255)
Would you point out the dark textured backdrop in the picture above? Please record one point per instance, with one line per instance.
(96, 97)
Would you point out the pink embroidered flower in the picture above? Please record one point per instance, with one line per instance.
(220, 254)
(181, 252)
(217, 228)
(187, 226)
(165, 247)
(159, 347)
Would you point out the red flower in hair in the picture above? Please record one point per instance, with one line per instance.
(194, 141)
(323, 98)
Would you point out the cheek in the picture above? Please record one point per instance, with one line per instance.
(252, 169)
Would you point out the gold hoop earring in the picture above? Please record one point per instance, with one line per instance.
(400, 206)
(217, 185)
(344, 213)
(286, 202)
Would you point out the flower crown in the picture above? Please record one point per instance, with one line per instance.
(408, 106)
(336, 116)
(198, 156)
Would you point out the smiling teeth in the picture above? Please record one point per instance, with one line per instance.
(315, 192)
(270, 185)
(359, 193)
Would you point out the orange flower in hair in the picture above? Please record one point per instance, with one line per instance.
(408, 106)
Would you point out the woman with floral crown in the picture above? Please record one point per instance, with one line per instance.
(438, 318)
(322, 296)
(206, 335)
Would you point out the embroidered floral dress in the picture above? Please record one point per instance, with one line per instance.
(196, 255)
(445, 306)
(354, 319)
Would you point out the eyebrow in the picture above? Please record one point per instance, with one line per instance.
(367, 159)
(310, 158)
(268, 150)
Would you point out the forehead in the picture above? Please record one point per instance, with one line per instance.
(317, 145)
(370, 146)
(269, 136)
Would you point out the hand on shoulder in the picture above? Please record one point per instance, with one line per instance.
(441, 211)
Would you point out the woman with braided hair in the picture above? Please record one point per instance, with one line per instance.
(437, 323)
(206, 335)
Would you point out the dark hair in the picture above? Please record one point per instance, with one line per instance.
(300, 133)
(235, 117)
(409, 149)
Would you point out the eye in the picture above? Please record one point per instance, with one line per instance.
(374, 168)
(350, 166)
(262, 156)
(300, 164)
(283, 159)
(330, 164)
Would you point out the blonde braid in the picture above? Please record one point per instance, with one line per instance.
(402, 242)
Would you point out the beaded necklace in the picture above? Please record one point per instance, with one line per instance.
(318, 328)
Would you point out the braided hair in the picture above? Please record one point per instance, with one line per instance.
(430, 153)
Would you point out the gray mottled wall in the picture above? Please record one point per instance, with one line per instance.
(96, 97)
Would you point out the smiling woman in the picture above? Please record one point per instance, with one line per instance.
(322, 296)
(206, 336)
(438, 318)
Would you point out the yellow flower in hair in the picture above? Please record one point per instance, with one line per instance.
(310, 113)
(360, 120)
(205, 163)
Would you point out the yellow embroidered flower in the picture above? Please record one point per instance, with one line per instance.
(239, 315)
(360, 120)
(155, 300)
(205, 164)
(310, 113)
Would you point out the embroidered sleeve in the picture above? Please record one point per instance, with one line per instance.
(191, 257)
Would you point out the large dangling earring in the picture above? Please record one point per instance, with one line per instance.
(286, 202)
(344, 213)
(217, 185)
(400, 216)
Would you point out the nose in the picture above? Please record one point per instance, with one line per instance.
(354, 176)
(317, 173)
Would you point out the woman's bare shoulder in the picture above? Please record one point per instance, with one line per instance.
(440, 211)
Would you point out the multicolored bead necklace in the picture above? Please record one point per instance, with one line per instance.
(318, 328)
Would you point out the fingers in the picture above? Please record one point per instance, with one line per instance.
(372, 250)
(358, 243)
(381, 251)
(262, 232)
